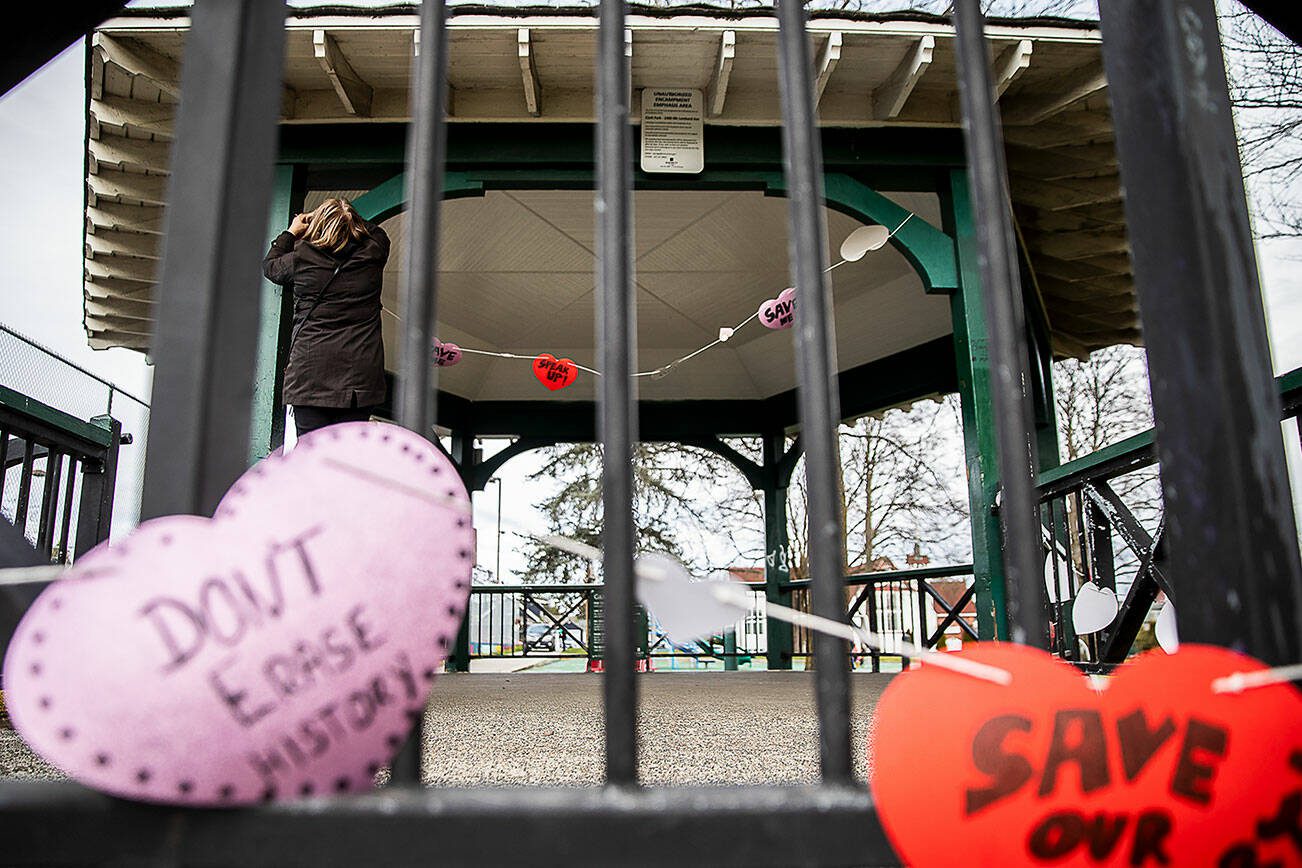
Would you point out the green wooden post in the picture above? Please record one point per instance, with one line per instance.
(267, 430)
(463, 453)
(972, 356)
(777, 573)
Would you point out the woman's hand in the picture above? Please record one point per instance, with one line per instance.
(299, 225)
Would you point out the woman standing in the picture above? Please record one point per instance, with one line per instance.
(333, 260)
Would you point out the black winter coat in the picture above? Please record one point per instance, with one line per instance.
(336, 356)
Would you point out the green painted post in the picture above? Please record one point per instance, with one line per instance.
(730, 650)
(465, 455)
(972, 356)
(777, 573)
(267, 430)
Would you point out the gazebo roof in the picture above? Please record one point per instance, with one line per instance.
(349, 65)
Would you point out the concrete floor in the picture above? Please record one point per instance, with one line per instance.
(538, 728)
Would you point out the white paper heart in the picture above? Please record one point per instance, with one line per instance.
(686, 610)
(1168, 635)
(280, 649)
(1064, 579)
(863, 239)
(1095, 608)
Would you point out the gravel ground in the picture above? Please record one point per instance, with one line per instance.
(697, 728)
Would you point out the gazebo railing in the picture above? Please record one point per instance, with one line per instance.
(1217, 417)
(1086, 523)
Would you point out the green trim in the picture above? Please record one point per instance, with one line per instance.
(899, 156)
(929, 250)
(272, 318)
(94, 431)
(974, 385)
(1132, 446)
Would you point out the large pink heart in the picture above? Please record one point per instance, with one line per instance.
(282, 648)
(780, 312)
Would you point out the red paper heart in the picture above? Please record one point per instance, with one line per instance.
(1155, 770)
(554, 373)
(282, 648)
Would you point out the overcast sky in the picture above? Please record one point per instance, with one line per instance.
(42, 125)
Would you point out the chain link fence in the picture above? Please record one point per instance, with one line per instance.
(42, 374)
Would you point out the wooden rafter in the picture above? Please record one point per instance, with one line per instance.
(889, 99)
(827, 60)
(354, 93)
(717, 92)
(529, 73)
(1049, 101)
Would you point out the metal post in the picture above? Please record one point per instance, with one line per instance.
(816, 372)
(95, 513)
(617, 404)
(1232, 541)
(267, 430)
(1001, 289)
(426, 154)
(205, 341)
(777, 572)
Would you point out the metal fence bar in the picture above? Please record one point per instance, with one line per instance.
(1233, 556)
(426, 155)
(49, 501)
(617, 406)
(1001, 290)
(65, 523)
(817, 377)
(25, 484)
(205, 341)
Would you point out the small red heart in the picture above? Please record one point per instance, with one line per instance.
(1155, 770)
(554, 373)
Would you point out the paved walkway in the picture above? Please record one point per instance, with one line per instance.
(539, 728)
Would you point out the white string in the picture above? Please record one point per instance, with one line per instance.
(1237, 682)
(663, 370)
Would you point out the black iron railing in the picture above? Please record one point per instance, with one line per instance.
(1215, 408)
(1089, 531)
(55, 467)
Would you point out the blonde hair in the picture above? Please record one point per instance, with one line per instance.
(333, 225)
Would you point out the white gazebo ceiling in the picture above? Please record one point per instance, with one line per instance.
(535, 65)
(516, 275)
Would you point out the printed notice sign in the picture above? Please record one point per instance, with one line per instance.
(673, 132)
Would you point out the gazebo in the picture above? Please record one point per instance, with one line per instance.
(517, 249)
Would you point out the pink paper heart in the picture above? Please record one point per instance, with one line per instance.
(446, 354)
(282, 648)
(780, 312)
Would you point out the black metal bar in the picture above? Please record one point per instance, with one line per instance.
(1001, 291)
(872, 626)
(49, 501)
(617, 407)
(426, 154)
(46, 823)
(98, 483)
(65, 524)
(1217, 409)
(4, 460)
(816, 374)
(24, 486)
(205, 341)
(1127, 527)
(953, 615)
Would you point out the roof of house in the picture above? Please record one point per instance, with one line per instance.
(351, 65)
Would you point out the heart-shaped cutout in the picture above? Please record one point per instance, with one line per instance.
(780, 312)
(1094, 608)
(282, 648)
(1155, 770)
(554, 373)
(446, 354)
(686, 610)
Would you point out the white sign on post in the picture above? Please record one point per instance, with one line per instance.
(673, 131)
